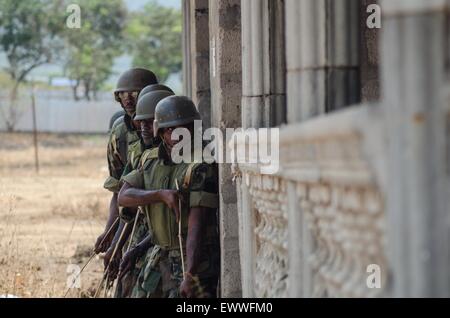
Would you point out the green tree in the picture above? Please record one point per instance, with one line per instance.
(29, 38)
(91, 49)
(154, 38)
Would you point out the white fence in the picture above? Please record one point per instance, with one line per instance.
(58, 112)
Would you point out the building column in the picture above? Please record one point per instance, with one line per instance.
(263, 63)
(196, 56)
(322, 56)
(417, 117)
(186, 45)
(201, 93)
(226, 92)
(369, 49)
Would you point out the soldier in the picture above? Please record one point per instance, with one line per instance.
(116, 118)
(123, 133)
(154, 187)
(153, 88)
(145, 111)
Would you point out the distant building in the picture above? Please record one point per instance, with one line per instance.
(360, 205)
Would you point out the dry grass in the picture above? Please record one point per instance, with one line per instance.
(51, 219)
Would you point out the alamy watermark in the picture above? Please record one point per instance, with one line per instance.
(243, 146)
(73, 21)
(73, 277)
(373, 280)
(374, 19)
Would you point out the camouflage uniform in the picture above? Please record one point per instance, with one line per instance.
(121, 137)
(124, 286)
(162, 274)
(124, 150)
(146, 104)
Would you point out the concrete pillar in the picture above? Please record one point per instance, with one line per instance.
(247, 241)
(247, 75)
(322, 56)
(263, 63)
(201, 93)
(226, 92)
(369, 56)
(275, 64)
(186, 44)
(413, 74)
(196, 56)
(257, 8)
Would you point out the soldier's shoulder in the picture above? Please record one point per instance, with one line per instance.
(114, 117)
(135, 145)
(119, 126)
(203, 176)
(149, 154)
(152, 153)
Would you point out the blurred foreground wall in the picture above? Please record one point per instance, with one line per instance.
(359, 207)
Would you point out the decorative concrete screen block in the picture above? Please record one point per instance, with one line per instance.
(269, 205)
(337, 196)
(341, 202)
(347, 226)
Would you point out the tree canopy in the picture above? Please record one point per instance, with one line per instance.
(35, 32)
(154, 39)
(29, 37)
(91, 49)
(29, 34)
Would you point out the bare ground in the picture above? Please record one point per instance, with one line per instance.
(49, 220)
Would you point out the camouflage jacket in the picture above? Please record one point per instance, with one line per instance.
(162, 273)
(199, 187)
(122, 136)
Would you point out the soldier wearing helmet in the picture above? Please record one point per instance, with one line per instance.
(144, 117)
(154, 187)
(155, 87)
(116, 119)
(124, 132)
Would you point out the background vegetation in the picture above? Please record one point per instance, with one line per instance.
(34, 33)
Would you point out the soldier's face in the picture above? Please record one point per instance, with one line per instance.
(167, 135)
(147, 131)
(128, 101)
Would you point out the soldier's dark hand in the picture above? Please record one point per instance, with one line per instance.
(107, 257)
(114, 263)
(170, 198)
(187, 287)
(103, 242)
(128, 261)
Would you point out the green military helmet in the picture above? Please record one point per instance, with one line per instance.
(114, 118)
(174, 111)
(146, 105)
(134, 80)
(153, 88)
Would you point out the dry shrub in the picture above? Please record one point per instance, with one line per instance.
(51, 219)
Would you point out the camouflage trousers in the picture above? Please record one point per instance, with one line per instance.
(125, 286)
(162, 275)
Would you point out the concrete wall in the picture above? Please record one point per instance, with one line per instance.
(212, 72)
(226, 92)
(369, 52)
(263, 63)
(196, 48)
(322, 56)
(57, 112)
(416, 105)
(358, 187)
